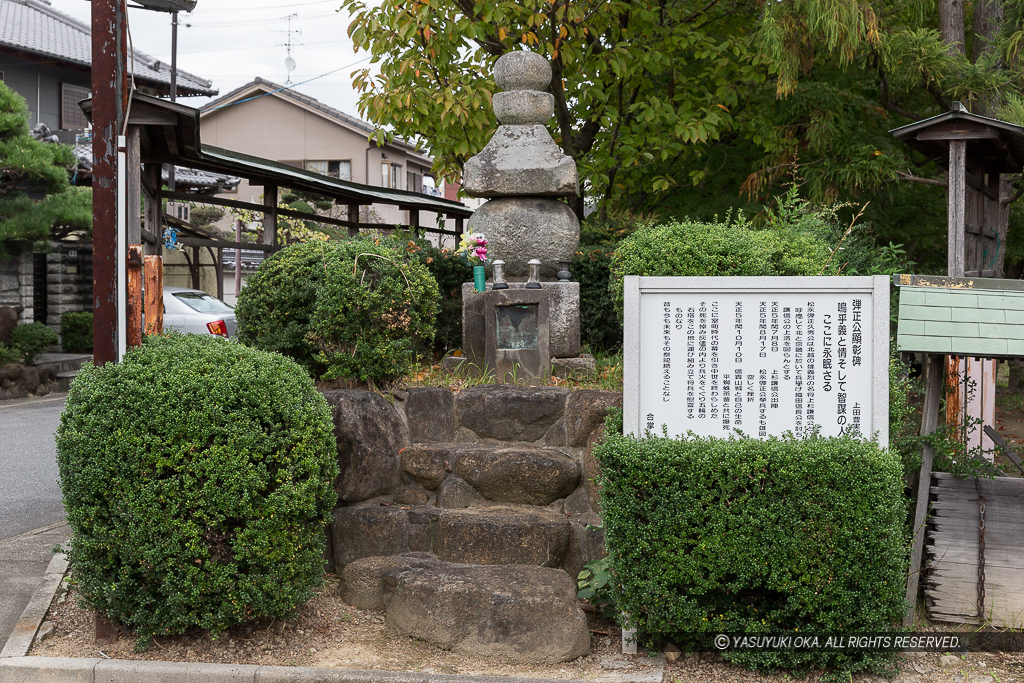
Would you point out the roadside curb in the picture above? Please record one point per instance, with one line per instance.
(25, 630)
(73, 670)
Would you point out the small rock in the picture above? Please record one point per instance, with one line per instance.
(958, 678)
(300, 632)
(980, 679)
(607, 642)
(949, 660)
(615, 663)
(672, 652)
(45, 631)
(920, 669)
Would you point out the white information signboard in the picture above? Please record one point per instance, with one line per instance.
(762, 355)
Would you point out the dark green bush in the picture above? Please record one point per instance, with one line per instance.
(723, 248)
(745, 536)
(76, 332)
(374, 311)
(600, 324)
(276, 305)
(197, 479)
(449, 271)
(8, 354)
(341, 319)
(32, 339)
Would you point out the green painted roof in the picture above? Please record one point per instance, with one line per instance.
(965, 322)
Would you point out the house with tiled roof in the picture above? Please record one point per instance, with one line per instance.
(46, 57)
(272, 121)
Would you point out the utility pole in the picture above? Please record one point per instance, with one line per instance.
(109, 103)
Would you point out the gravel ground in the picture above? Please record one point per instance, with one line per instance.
(329, 633)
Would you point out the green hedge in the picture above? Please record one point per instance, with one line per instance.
(745, 536)
(346, 309)
(31, 340)
(723, 248)
(197, 479)
(76, 332)
(600, 324)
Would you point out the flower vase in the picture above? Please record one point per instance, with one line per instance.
(479, 279)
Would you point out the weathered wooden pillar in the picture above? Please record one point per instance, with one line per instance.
(154, 294)
(353, 216)
(270, 215)
(154, 223)
(134, 312)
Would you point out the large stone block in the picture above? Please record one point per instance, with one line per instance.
(521, 161)
(531, 476)
(585, 411)
(510, 413)
(523, 107)
(369, 433)
(368, 531)
(509, 535)
(8, 321)
(522, 70)
(428, 465)
(512, 613)
(522, 228)
(430, 414)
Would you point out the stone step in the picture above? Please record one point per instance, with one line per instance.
(500, 534)
(508, 612)
(464, 475)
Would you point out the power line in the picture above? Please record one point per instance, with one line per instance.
(246, 47)
(292, 87)
(248, 8)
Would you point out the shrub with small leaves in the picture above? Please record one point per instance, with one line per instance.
(197, 478)
(32, 339)
(8, 354)
(76, 332)
(744, 536)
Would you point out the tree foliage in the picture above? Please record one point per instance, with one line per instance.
(35, 196)
(633, 82)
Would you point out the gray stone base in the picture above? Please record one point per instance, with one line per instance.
(563, 319)
(581, 367)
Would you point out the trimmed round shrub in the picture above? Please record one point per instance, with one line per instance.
(729, 247)
(197, 479)
(32, 339)
(350, 309)
(745, 536)
(76, 332)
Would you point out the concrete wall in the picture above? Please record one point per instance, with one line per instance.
(40, 84)
(68, 280)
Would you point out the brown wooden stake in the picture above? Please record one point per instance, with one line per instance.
(154, 294)
(106, 630)
(134, 299)
(929, 421)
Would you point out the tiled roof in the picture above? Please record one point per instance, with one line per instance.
(34, 26)
(288, 92)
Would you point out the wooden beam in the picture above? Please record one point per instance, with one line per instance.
(929, 421)
(154, 268)
(223, 244)
(171, 138)
(134, 312)
(353, 220)
(270, 216)
(986, 134)
(998, 440)
(152, 202)
(956, 208)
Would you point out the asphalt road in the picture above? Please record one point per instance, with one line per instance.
(29, 495)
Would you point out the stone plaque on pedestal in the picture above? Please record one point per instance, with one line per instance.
(515, 336)
(563, 318)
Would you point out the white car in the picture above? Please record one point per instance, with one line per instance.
(195, 311)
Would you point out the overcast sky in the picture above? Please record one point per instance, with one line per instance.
(231, 42)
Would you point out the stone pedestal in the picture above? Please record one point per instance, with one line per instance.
(563, 318)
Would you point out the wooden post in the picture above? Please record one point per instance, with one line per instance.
(929, 420)
(218, 269)
(154, 294)
(957, 207)
(414, 221)
(134, 308)
(353, 215)
(154, 208)
(195, 265)
(270, 215)
(238, 257)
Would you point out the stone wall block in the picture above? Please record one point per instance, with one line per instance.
(368, 530)
(585, 411)
(370, 434)
(510, 413)
(430, 413)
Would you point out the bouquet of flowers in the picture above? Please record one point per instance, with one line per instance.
(474, 247)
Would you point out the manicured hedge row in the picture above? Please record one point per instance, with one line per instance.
(745, 536)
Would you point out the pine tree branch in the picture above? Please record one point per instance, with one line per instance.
(919, 179)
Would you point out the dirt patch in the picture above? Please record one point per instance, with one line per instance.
(326, 632)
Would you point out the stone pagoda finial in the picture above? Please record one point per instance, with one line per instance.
(522, 169)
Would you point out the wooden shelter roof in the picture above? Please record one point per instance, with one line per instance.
(171, 135)
(999, 144)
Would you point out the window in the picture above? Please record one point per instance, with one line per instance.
(390, 175)
(413, 182)
(71, 116)
(335, 169)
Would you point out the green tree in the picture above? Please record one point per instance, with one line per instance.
(634, 83)
(35, 196)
